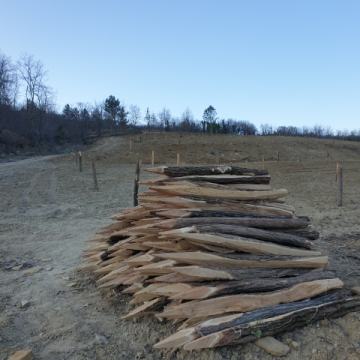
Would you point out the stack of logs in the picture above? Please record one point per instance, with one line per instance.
(216, 250)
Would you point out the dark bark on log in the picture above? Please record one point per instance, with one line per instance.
(249, 302)
(252, 257)
(248, 232)
(273, 311)
(229, 218)
(286, 322)
(259, 179)
(306, 233)
(247, 274)
(175, 171)
(254, 213)
(254, 285)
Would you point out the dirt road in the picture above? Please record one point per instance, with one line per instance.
(48, 210)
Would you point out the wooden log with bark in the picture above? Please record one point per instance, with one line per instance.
(248, 302)
(288, 225)
(216, 179)
(176, 171)
(191, 189)
(217, 248)
(246, 327)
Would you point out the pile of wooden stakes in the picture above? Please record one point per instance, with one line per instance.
(217, 251)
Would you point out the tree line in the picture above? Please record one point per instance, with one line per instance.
(28, 114)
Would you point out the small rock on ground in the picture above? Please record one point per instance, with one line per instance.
(356, 290)
(32, 270)
(101, 339)
(24, 304)
(273, 346)
(21, 355)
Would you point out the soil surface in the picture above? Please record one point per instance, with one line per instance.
(49, 209)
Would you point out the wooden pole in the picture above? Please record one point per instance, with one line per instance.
(178, 159)
(136, 183)
(339, 178)
(152, 157)
(137, 171)
(130, 145)
(80, 161)
(96, 185)
(263, 162)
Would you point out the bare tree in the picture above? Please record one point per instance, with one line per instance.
(33, 74)
(187, 120)
(45, 99)
(8, 81)
(165, 117)
(134, 115)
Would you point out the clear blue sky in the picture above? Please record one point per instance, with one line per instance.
(280, 62)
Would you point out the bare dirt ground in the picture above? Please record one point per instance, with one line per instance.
(48, 209)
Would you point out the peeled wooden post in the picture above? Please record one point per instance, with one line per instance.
(96, 186)
(177, 159)
(80, 161)
(152, 157)
(339, 178)
(136, 183)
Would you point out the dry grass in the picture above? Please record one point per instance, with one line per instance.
(201, 149)
(49, 209)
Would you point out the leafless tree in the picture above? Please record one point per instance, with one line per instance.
(33, 74)
(45, 99)
(8, 81)
(165, 117)
(186, 121)
(134, 115)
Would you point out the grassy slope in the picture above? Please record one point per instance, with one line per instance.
(198, 148)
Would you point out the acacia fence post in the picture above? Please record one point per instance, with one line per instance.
(136, 183)
(152, 157)
(178, 159)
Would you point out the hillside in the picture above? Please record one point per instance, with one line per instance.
(51, 209)
(200, 148)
